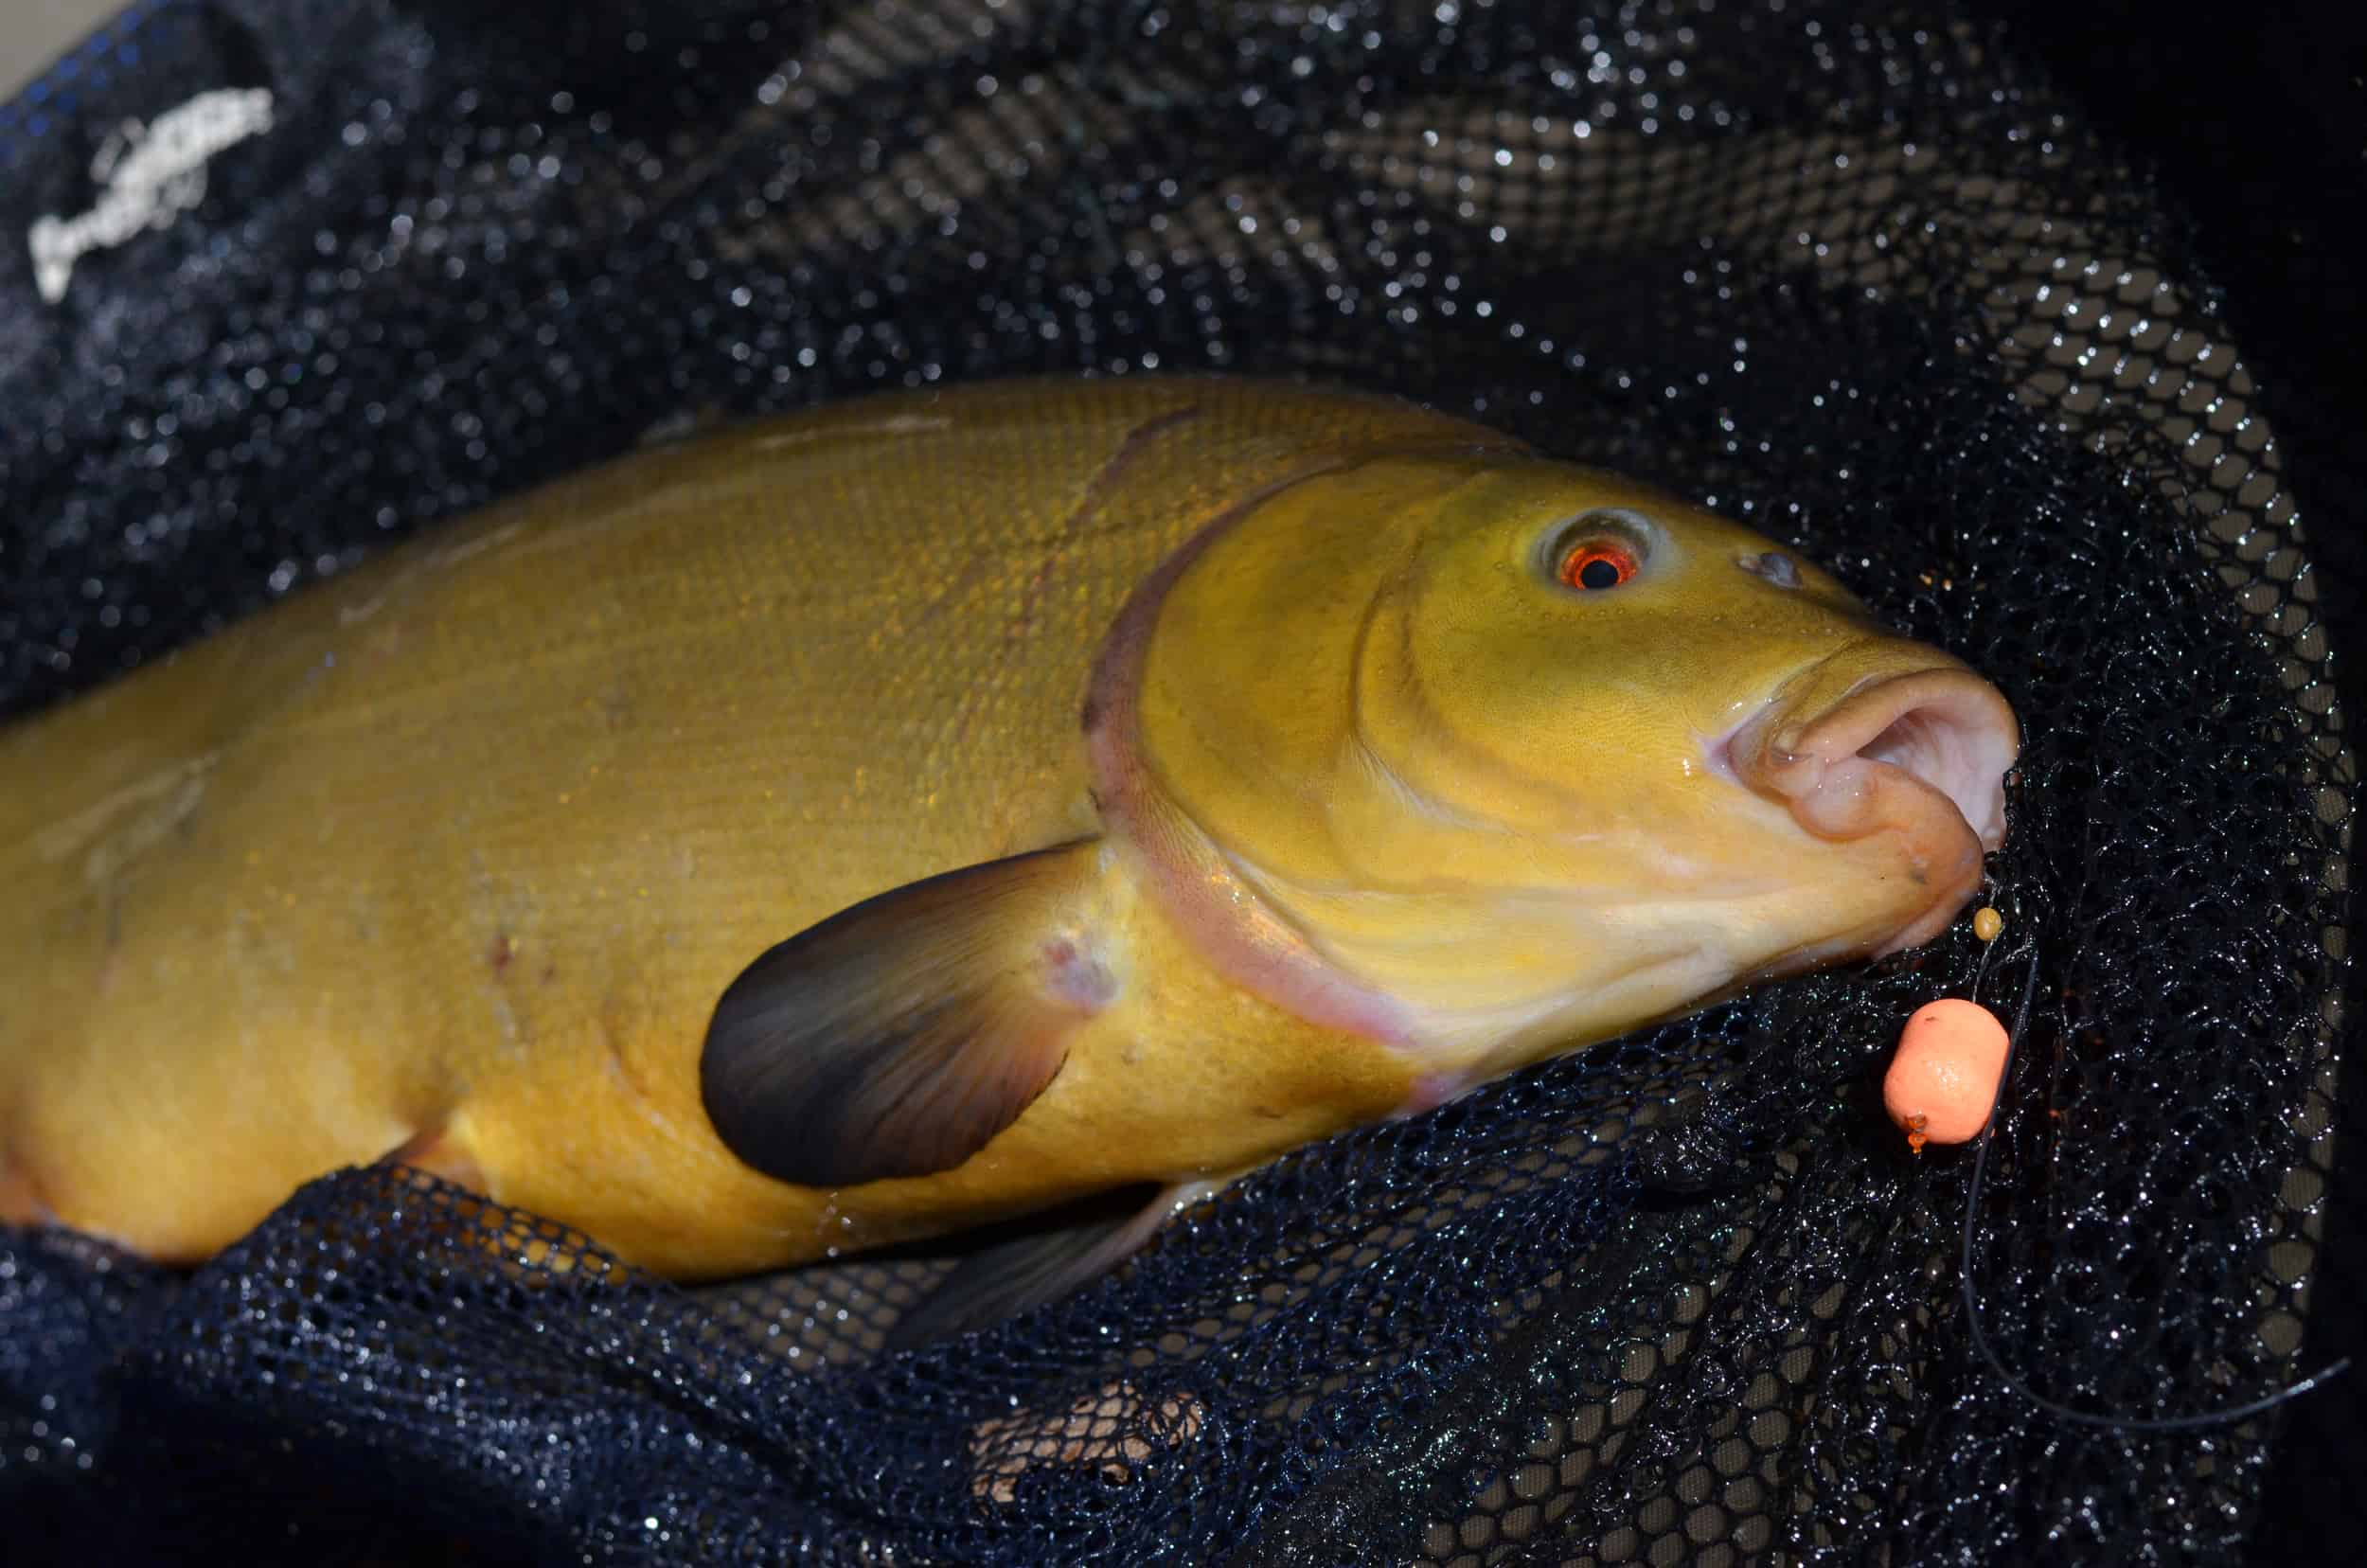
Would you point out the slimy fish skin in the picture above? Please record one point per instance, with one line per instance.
(873, 823)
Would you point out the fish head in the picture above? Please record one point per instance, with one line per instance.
(1517, 754)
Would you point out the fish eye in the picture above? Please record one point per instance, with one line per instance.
(1776, 566)
(1601, 549)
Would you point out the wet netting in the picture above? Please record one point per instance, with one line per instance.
(285, 281)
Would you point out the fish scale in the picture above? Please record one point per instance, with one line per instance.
(503, 732)
(887, 820)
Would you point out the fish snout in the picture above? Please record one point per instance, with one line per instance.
(1922, 755)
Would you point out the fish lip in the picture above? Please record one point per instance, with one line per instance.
(1921, 754)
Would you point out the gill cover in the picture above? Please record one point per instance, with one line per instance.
(1458, 724)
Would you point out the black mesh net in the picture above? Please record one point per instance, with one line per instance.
(1872, 277)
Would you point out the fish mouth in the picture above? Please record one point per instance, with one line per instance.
(1922, 755)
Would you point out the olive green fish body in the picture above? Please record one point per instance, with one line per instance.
(466, 846)
(862, 825)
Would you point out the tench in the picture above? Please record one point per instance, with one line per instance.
(877, 822)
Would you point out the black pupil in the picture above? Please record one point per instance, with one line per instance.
(1599, 573)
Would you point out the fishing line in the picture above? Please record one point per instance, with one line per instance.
(1972, 1300)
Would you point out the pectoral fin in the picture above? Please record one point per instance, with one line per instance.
(900, 1035)
(437, 1153)
(21, 1202)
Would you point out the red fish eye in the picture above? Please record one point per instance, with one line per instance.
(1596, 563)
